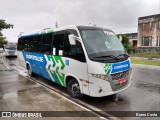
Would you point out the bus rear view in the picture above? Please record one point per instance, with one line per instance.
(84, 59)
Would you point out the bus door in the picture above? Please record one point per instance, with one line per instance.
(55, 63)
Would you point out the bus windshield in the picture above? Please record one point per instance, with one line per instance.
(101, 42)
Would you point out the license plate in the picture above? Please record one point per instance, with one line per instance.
(123, 80)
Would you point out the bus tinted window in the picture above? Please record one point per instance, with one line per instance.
(73, 51)
(30, 41)
(20, 44)
(25, 44)
(46, 43)
(58, 42)
(37, 43)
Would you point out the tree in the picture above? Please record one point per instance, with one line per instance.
(3, 25)
(126, 43)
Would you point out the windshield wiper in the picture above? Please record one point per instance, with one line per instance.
(111, 56)
(125, 55)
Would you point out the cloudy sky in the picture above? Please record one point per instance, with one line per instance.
(30, 15)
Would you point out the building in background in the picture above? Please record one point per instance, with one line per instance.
(133, 38)
(149, 33)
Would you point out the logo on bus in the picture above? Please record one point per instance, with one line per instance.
(117, 67)
(36, 58)
(108, 68)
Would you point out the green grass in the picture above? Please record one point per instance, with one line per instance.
(146, 54)
(145, 62)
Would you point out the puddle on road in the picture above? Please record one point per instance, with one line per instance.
(149, 86)
(108, 103)
(10, 95)
(16, 85)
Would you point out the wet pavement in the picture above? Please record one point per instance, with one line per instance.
(19, 93)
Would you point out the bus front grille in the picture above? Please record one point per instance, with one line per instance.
(118, 76)
(116, 85)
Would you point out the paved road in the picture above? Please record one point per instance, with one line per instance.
(142, 95)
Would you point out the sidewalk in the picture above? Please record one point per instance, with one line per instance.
(18, 93)
(2, 66)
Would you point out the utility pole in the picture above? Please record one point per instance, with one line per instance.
(56, 25)
(20, 34)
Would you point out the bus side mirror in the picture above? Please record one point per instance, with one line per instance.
(72, 41)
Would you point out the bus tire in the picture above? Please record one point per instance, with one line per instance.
(73, 88)
(30, 71)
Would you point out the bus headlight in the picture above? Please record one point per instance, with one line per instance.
(103, 77)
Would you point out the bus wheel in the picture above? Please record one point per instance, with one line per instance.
(73, 89)
(30, 71)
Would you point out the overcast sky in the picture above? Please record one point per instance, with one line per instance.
(30, 15)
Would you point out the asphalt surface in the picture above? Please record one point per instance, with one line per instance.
(142, 95)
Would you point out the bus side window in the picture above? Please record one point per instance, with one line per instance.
(46, 43)
(30, 41)
(37, 43)
(20, 44)
(73, 51)
(25, 44)
(58, 42)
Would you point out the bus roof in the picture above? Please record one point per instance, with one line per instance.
(44, 31)
(51, 30)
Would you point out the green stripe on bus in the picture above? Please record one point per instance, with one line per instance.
(55, 65)
(107, 68)
(55, 77)
(59, 59)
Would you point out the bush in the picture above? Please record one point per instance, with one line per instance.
(126, 43)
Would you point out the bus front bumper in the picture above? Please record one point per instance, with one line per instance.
(100, 88)
(11, 53)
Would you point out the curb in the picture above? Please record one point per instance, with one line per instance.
(146, 66)
(145, 58)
